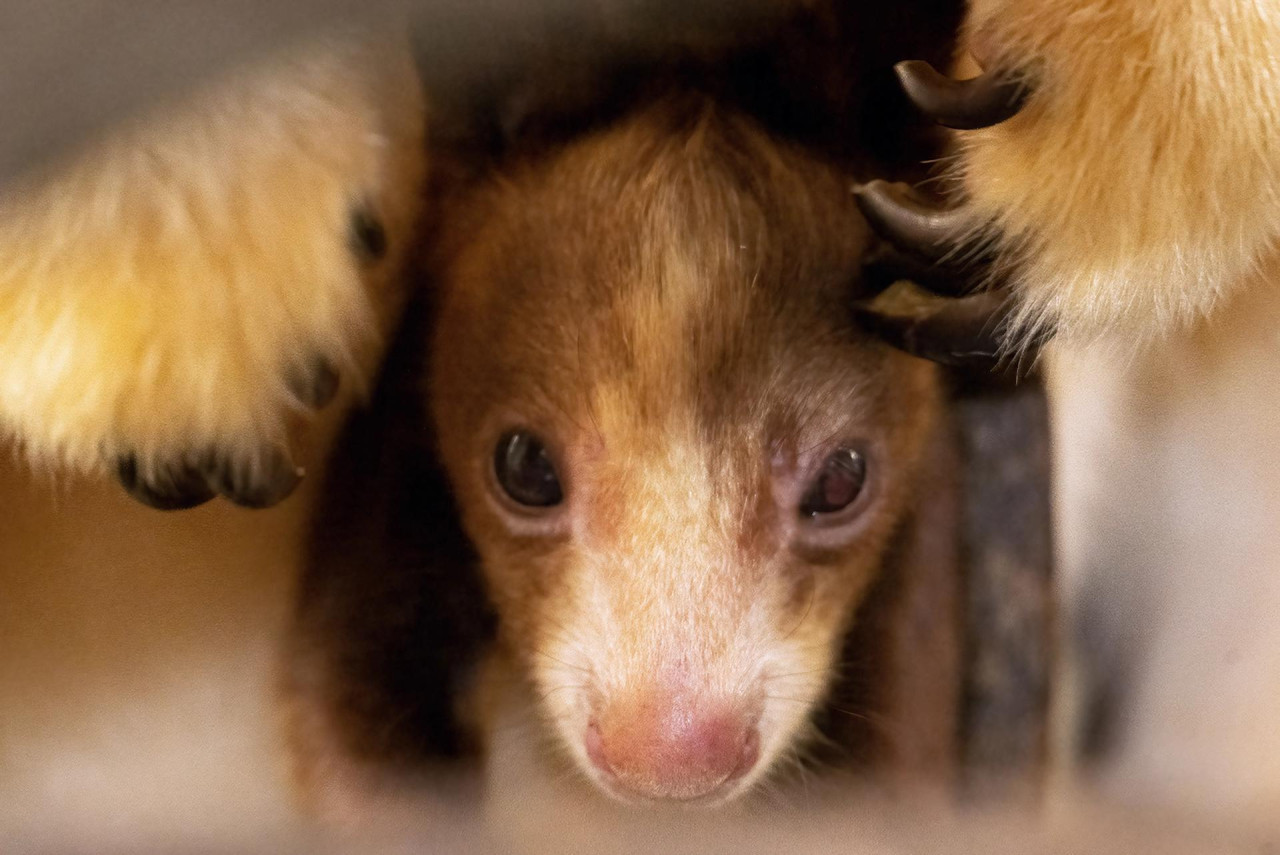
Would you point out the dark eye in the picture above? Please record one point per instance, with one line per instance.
(525, 470)
(837, 485)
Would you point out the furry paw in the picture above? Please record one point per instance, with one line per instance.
(258, 481)
(1139, 183)
(175, 298)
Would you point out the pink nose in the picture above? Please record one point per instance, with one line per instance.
(672, 751)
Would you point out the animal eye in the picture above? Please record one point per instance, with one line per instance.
(838, 484)
(525, 471)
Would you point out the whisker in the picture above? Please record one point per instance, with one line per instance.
(829, 669)
(555, 659)
(544, 696)
(813, 589)
(851, 713)
(819, 647)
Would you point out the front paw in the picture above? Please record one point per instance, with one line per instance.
(172, 487)
(943, 248)
(175, 300)
(251, 480)
(1135, 184)
(199, 413)
(257, 478)
(254, 481)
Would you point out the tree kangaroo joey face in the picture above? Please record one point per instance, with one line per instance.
(680, 460)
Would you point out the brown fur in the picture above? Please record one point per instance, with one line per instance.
(661, 290)
(665, 303)
(670, 287)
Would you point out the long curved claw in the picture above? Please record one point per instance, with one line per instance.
(961, 104)
(966, 331)
(901, 216)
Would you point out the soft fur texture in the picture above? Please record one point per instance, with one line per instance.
(1137, 187)
(662, 303)
(1141, 182)
(159, 292)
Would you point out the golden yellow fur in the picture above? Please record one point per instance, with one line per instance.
(158, 290)
(1141, 182)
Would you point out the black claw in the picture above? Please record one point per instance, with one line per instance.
(886, 265)
(368, 235)
(316, 385)
(175, 490)
(968, 331)
(254, 483)
(906, 220)
(985, 100)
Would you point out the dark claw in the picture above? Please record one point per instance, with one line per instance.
(175, 490)
(985, 100)
(368, 235)
(901, 216)
(254, 483)
(885, 266)
(965, 332)
(316, 385)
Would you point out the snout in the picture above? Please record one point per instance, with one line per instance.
(673, 748)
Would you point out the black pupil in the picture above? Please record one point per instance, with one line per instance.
(837, 485)
(525, 471)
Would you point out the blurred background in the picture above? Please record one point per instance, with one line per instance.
(139, 651)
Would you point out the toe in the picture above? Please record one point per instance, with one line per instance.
(256, 482)
(172, 488)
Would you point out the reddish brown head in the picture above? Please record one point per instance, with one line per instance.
(679, 459)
